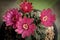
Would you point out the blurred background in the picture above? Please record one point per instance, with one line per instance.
(37, 4)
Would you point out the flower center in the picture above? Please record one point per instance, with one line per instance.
(45, 18)
(26, 7)
(14, 19)
(25, 26)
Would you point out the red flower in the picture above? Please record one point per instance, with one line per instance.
(47, 18)
(25, 27)
(11, 17)
(26, 6)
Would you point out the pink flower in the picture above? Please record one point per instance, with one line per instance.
(26, 6)
(11, 17)
(47, 18)
(25, 27)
